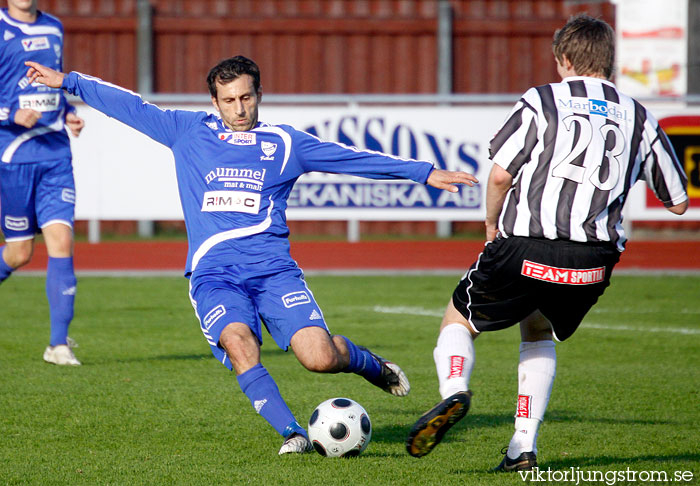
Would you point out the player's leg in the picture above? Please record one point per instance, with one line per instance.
(293, 318)
(55, 208)
(317, 351)
(230, 324)
(379, 371)
(454, 352)
(454, 361)
(536, 371)
(15, 253)
(488, 298)
(60, 280)
(243, 349)
(561, 308)
(60, 292)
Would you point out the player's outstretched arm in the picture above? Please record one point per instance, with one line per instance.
(163, 126)
(446, 179)
(44, 75)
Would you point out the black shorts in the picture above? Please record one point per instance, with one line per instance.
(515, 276)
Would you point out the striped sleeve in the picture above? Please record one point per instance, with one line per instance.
(662, 170)
(512, 146)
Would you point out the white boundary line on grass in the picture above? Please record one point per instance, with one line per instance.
(421, 311)
(371, 272)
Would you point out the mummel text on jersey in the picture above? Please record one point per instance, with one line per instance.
(575, 149)
(41, 41)
(234, 185)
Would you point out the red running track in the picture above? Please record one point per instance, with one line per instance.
(374, 255)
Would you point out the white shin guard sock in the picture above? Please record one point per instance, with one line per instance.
(538, 362)
(454, 359)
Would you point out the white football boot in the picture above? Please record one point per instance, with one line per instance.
(296, 444)
(61, 354)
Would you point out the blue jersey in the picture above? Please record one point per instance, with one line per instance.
(234, 186)
(41, 41)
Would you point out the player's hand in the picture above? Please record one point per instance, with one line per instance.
(44, 75)
(446, 179)
(74, 123)
(27, 117)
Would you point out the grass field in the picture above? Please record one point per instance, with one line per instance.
(150, 406)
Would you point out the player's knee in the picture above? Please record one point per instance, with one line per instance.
(17, 256)
(234, 342)
(325, 361)
(59, 240)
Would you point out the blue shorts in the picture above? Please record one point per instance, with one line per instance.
(33, 196)
(272, 293)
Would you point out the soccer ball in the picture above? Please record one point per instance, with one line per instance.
(340, 427)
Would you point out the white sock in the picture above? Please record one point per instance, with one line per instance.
(538, 363)
(454, 359)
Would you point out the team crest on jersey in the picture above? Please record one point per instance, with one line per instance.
(268, 149)
(238, 138)
(35, 43)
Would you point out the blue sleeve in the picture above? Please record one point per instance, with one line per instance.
(337, 158)
(164, 126)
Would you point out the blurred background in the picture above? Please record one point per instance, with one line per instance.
(423, 78)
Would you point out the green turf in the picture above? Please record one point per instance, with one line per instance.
(151, 406)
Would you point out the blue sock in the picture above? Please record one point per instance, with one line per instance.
(362, 363)
(60, 290)
(5, 269)
(262, 391)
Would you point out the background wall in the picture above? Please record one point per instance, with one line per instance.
(322, 46)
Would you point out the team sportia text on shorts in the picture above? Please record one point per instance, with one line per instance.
(515, 276)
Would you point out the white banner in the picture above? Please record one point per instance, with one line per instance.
(123, 175)
(652, 47)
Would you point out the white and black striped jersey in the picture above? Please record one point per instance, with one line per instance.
(575, 149)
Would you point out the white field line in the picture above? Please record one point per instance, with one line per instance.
(359, 272)
(421, 311)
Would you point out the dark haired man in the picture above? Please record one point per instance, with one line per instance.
(37, 190)
(564, 162)
(235, 175)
